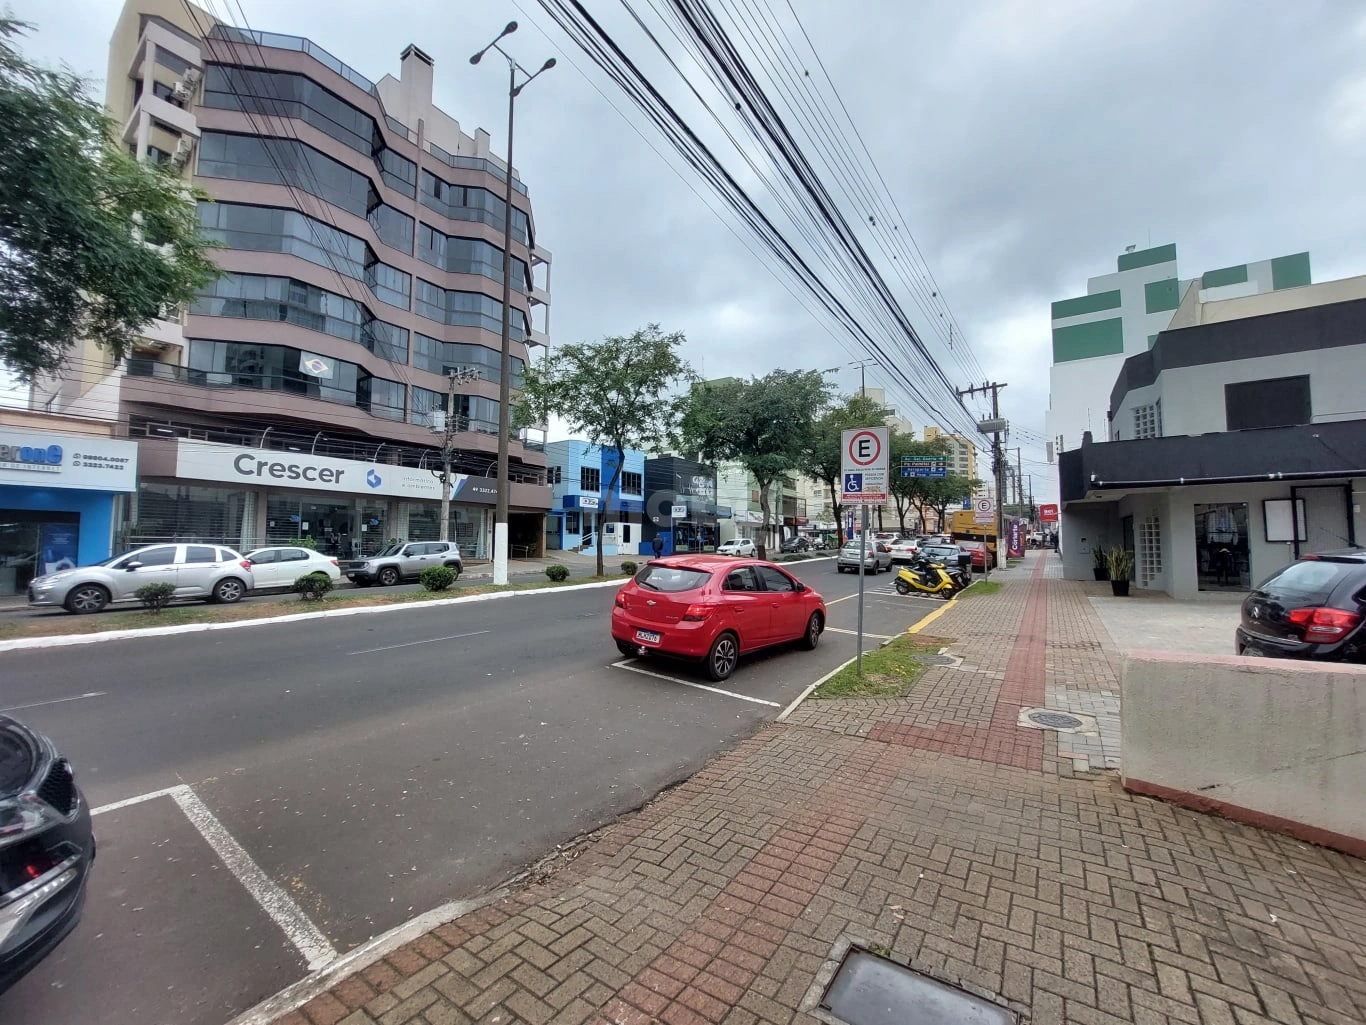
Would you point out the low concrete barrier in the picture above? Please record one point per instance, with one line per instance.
(1271, 742)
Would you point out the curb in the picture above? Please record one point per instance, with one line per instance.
(294, 996)
(66, 640)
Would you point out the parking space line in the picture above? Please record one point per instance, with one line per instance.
(274, 901)
(854, 633)
(56, 701)
(428, 640)
(687, 683)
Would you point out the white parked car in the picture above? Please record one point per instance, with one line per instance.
(206, 571)
(904, 549)
(275, 568)
(738, 546)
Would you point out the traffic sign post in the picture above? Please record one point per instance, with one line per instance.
(984, 511)
(864, 459)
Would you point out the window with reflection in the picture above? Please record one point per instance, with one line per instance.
(466, 309)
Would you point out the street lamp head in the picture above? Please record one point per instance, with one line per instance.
(508, 29)
(547, 65)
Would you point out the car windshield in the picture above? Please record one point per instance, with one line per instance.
(671, 579)
(392, 549)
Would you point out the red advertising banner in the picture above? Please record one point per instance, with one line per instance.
(1048, 514)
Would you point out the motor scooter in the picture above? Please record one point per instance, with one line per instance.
(925, 577)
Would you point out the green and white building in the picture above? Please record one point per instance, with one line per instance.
(1121, 314)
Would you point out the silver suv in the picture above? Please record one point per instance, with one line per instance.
(403, 560)
(209, 572)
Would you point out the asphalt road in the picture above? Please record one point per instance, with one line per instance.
(368, 767)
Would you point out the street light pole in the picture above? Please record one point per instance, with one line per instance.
(500, 516)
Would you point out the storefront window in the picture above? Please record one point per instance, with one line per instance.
(1221, 547)
(330, 522)
(34, 543)
(169, 512)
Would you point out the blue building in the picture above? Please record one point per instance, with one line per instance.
(583, 511)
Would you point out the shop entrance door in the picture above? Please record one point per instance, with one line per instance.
(34, 543)
(1221, 547)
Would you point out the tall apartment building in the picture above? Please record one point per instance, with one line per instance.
(962, 453)
(306, 392)
(1121, 315)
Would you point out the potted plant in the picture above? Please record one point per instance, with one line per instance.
(1099, 565)
(1121, 564)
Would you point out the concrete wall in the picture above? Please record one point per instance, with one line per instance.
(1085, 526)
(1276, 743)
(1193, 397)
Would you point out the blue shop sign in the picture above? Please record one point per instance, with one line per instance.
(32, 455)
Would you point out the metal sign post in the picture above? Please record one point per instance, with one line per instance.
(864, 461)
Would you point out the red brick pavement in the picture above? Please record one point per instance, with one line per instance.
(1003, 741)
(724, 900)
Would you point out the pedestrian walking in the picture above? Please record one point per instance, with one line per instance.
(658, 545)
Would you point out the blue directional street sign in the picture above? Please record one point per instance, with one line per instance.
(928, 467)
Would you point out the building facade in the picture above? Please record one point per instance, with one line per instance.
(1239, 444)
(356, 327)
(589, 509)
(681, 506)
(1122, 314)
(61, 493)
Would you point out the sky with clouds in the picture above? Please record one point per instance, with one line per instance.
(1024, 144)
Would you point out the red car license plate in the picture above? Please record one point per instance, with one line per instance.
(648, 636)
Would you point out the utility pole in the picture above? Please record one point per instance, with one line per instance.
(998, 463)
(448, 448)
(1019, 479)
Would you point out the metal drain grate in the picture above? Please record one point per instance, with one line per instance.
(1055, 720)
(870, 990)
(934, 660)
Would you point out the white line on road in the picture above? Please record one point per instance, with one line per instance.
(297, 926)
(56, 701)
(128, 802)
(429, 640)
(854, 633)
(686, 683)
(836, 601)
(811, 687)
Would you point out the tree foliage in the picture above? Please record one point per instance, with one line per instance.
(822, 459)
(74, 211)
(765, 424)
(618, 393)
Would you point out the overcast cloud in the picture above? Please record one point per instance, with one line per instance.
(1025, 144)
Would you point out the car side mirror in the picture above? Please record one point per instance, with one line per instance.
(132, 566)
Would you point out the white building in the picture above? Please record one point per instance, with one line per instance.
(1120, 316)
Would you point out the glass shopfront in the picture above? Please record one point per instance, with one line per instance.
(1221, 547)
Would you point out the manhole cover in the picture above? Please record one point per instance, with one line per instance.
(934, 660)
(870, 990)
(1055, 720)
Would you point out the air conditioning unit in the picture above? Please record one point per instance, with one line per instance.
(436, 420)
(182, 153)
(181, 92)
(191, 78)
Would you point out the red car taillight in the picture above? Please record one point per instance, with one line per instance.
(697, 613)
(245, 564)
(334, 562)
(620, 600)
(1324, 626)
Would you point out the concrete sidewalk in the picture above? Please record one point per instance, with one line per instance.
(935, 829)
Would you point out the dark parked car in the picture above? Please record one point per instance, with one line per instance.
(46, 849)
(795, 544)
(1311, 609)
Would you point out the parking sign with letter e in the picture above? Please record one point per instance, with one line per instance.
(864, 465)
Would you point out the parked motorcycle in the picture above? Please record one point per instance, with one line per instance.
(925, 577)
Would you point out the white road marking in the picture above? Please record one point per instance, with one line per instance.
(56, 701)
(274, 901)
(836, 601)
(854, 633)
(811, 687)
(128, 802)
(687, 683)
(429, 640)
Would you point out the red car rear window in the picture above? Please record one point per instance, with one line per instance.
(671, 579)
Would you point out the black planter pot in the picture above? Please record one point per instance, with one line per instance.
(1101, 574)
(1120, 588)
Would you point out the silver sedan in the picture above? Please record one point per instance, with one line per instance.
(877, 557)
(204, 571)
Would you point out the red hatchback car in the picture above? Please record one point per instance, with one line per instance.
(714, 610)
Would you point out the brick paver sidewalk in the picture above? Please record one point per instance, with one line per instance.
(933, 827)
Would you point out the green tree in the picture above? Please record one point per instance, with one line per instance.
(821, 458)
(765, 424)
(618, 393)
(77, 215)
